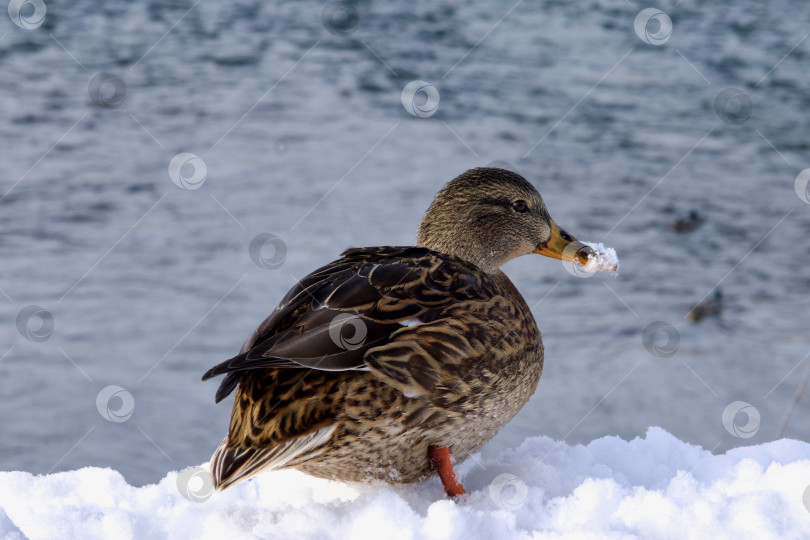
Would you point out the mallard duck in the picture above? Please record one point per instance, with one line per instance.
(391, 361)
(688, 223)
(712, 306)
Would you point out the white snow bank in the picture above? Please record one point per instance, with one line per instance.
(656, 487)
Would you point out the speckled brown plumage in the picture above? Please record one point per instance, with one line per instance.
(375, 357)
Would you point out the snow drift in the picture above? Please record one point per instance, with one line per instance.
(655, 487)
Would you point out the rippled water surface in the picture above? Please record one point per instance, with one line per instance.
(303, 135)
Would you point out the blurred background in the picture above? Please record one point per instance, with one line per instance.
(147, 145)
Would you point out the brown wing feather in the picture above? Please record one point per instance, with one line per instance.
(436, 360)
(382, 287)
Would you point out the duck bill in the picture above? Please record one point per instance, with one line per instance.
(563, 246)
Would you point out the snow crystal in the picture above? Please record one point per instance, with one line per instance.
(604, 258)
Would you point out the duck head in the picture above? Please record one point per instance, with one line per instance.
(490, 216)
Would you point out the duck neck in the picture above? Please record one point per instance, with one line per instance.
(487, 260)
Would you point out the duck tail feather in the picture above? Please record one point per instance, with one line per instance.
(230, 465)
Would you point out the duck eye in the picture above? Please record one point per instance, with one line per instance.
(520, 206)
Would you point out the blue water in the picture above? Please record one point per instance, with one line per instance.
(303, 135)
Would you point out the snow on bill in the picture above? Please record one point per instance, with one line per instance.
(603, 258)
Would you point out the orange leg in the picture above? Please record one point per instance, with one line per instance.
(440, 459)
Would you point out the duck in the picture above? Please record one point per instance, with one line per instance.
(392, 363)
(707, 308)
(688, 223)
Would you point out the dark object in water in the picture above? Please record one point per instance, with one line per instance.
(713, 306)
(688, 223)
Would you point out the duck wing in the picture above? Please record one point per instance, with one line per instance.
(334, 316)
